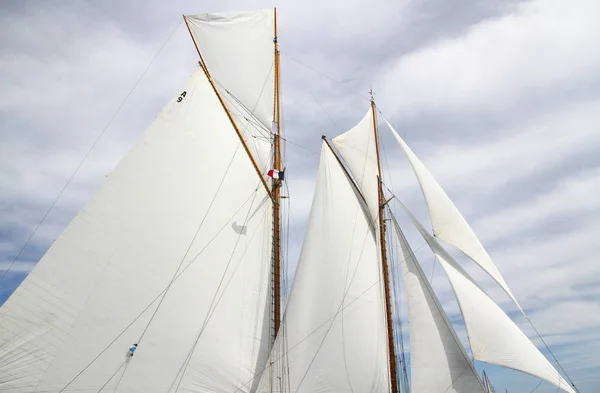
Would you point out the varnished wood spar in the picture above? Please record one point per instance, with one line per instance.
(354, 185)
(384, 262)
(276, 190)
(237, 130)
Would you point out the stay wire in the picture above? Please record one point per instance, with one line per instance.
(113, 375)
(190, 244)
(523, 312)
(326, 76)
(216, 299)
(321, 325)
(438, 306)
(159, 295)
(70, 179)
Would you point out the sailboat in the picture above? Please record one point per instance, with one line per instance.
(169, 279)
(338, 331)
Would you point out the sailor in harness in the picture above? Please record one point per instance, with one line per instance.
(132, 350)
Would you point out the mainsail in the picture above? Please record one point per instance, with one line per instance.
(335, 322)
(173, 253)
(167, 279)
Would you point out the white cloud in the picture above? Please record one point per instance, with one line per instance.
(544, 46)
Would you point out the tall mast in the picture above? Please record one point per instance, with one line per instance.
(276, 191)
(384, 262)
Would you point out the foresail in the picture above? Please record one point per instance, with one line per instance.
(438, 361)
(335, 322)
(493, 336)
(184, 203)
(357, 148)
(238, 52)
(447, 222)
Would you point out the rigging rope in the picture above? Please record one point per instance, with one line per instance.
(395, 266)
(160, 294)
(326, 76)
(70, 179)
(211, 309)
(528, 320)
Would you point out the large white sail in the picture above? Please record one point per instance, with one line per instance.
(335, 323)
(358, 149)
(438, 360)
(185, 202)
(447, 222)
(493, 336)
(238, 51)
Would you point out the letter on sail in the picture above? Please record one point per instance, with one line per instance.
(438, 361)
(447, 222)
(493, 336)
(169, 210)
(335, 323)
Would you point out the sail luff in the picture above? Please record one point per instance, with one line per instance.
(350, 179)
(182, 204)
(276, 189)
(384, 260)
(493, 336)
(439, 362)
(447, 222)
(334, 323)
(229, 115)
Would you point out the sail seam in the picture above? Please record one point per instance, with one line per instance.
(233, 123)
(435, 301)
(160, 294)
(211, 309)
(320, 326)
(110, 121)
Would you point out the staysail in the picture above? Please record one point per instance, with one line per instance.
(335, 322)
(172, 253)
(357, 147)
(438, 360)
(493, 336)
(447, 222)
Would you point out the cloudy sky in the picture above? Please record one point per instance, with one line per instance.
(500, 99)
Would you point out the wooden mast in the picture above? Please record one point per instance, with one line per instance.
(384, 262)
(276, 190)
(235, 126)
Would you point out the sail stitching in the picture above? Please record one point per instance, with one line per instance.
(191, 243)
(211, 309)
(160, 294)
(434, 298)
(320, 326)
(110, 121)
(340, 307)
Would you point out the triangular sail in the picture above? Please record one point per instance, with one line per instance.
(238, 52)
(335, 322)
(357, 148)
(185, 202)
(447, 222)
(493, 336)
(438, 361)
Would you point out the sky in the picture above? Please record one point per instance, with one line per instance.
(500, 100)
